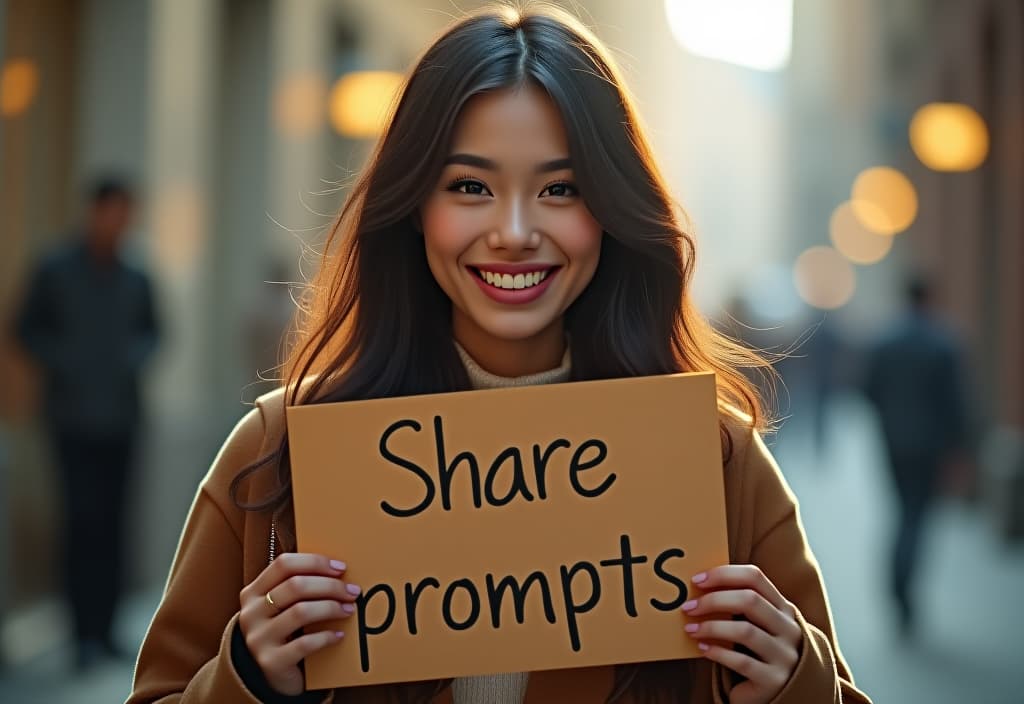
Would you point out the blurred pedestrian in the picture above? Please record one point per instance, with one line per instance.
(914, 379)
(88, 322)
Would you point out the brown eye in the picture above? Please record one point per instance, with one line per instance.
(562, 189)
(468, 186)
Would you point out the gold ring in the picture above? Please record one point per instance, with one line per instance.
(270, 601)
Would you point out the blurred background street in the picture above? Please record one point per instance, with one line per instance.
(850, 169)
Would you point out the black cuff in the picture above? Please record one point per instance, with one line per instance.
(254, 680)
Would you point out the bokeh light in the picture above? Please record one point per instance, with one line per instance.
(19, 84)
(823, 278)
(299, 104)
(755, 34)
(360, 101)
(884, 200)
(949, 137)
(855, 241)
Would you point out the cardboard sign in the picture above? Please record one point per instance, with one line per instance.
(511, 530)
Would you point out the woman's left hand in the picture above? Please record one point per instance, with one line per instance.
(767, 629)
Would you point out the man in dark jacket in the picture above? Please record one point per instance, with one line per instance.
(88, 322)
(914, 380)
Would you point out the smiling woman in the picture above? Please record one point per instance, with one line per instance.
(512, 228)
(507, 235)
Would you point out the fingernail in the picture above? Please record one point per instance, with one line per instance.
(698, 578)
(338, 565)
(353, 589)
(691, 627)
(348, 608)
(704, 646)
(339, 634)
(690, 605)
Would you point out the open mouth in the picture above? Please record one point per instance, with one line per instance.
(508, 280)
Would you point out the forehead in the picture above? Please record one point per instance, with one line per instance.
(516, 122)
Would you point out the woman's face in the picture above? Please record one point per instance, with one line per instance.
(508, 237)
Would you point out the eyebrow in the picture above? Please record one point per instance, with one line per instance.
(491, 165)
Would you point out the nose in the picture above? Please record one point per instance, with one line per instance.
(515, 230)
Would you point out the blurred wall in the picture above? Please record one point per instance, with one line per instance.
(970, 231)
(37, 200)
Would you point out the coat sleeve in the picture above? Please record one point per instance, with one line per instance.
(779, 547)
(186, 654)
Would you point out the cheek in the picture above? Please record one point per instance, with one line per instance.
(446, 235)
(447, 231)
(579, 237)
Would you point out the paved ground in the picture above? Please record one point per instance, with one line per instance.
(971, 649)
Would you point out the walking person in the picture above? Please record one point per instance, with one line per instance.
(914, 379)
(88, 322)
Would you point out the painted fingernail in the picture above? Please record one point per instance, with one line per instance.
(339, 634)
(353, 589)
(704, 646)
(690, 605)
(348, 608)
(338, 565)
(698, 578)
(691, 627)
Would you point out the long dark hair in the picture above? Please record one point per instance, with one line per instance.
(376, 324)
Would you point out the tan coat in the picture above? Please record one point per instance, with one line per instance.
(186, 656)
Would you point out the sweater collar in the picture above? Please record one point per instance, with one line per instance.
(480, 378)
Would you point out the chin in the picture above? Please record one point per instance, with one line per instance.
(516, 328)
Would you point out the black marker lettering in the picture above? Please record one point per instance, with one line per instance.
(412, 597)
(518, 479)
(540, 463)
(659, 569)
(575, 467)
(496, 592)
(445, 470)
(626, 561)
(365, 629)
(474, 610)
(411, 466)
(571, 607)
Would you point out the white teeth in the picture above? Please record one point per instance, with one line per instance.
(516, 281)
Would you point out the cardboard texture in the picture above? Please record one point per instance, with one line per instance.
(630, 506)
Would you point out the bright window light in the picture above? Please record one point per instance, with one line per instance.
(755, 34)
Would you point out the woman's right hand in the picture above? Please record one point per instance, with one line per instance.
(304, 589)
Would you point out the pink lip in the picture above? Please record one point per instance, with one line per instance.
(515, 296)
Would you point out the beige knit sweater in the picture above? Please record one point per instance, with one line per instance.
(506, 688)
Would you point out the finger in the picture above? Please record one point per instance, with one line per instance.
(742, 577)
(309, 588)
(279, 629)
(756, 672)
(293, 563)
(748, 603)
(768, 649)
(302, 647)
(279, 664)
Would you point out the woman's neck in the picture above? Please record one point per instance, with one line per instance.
(512, 358)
